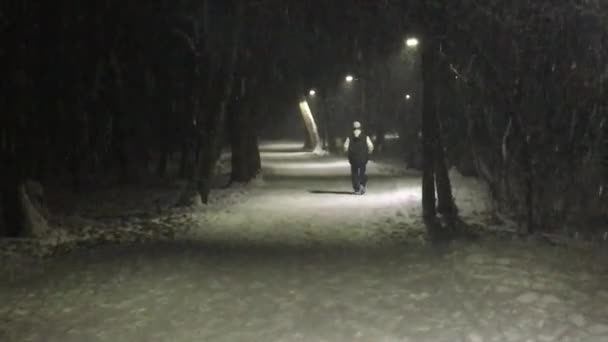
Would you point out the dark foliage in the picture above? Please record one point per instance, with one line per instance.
(118, 91)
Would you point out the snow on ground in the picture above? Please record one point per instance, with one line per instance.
(123, 214)
(296, 257)
(308, 199)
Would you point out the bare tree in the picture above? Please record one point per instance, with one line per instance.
(435, 177)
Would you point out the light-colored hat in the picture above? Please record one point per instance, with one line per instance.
(356, 125)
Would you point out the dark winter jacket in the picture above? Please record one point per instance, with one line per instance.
(358, 147)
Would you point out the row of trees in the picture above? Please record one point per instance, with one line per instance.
(114, 91)
(121, 88)
(524, 84)
(512, 93)
(110, 87)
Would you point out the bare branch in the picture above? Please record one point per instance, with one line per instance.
(188, 40)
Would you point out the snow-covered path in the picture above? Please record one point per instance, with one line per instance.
(297, 260)
(306, 199)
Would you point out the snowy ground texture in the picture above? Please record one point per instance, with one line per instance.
(295, 257)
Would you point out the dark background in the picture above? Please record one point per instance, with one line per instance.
(99, 93)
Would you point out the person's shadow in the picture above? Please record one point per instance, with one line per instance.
(330, 192)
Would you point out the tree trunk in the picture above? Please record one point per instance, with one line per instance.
(380, 137)
(161, 170)
(254, 152)
(31, 201)
(445, 203)
(428, 130)
(314, 140)
(528, 186)
(409, 132)
(204, 174)
(184, 161)
(329, 114)
(214, 139)
(245, 152)
(75, 165)
(11, 209)
(123, 158)
(238, 130)
(435, 172)
(445, 199)
(325, 131)
(21, 215)
(146, 158)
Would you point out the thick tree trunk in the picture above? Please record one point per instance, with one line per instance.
(428, 131)
(11, 209)
(146, 158)
(31, 202)
(43, 164)
(410, 128)
(21, 203)
(308, 144)
(325, 127)
(75, 165)
(380, 137)
(328, 114)
(528, 186)
(238, 130)
(123, 159)
(205, 174)
(254, 152)
(198, 151)
(184, 161)
(435, 172)
(445, 199)
(516, 128)
(313, 141)
(212, 148)
(161, 170)
(245, 152)
(211, 151)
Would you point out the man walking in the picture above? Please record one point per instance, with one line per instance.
(358, 146)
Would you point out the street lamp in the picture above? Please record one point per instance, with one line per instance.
(312, 92)
(411, 42)
(349, 78)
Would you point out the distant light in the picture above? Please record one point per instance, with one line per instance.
(312, 92)
(411, 42)
(408, 96)
(349, 78)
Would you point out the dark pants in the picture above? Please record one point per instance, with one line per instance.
(358, 175)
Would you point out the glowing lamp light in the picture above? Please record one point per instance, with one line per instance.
(349, 78)
(411, 42)
(312, 92)
(408, 96)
